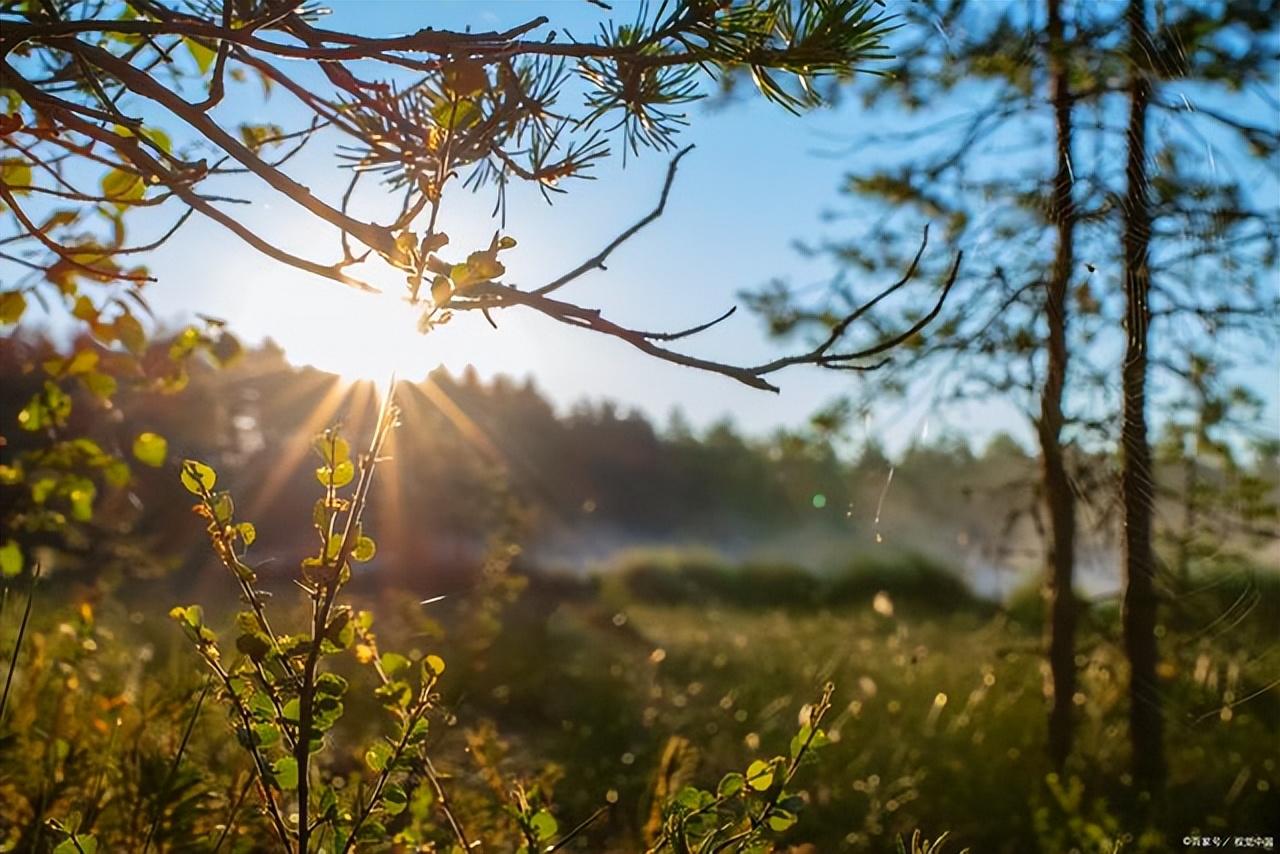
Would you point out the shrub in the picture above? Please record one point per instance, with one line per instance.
(697, 577)
(908, 577)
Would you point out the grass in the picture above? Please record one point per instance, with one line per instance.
(938, 725)
(941, 718)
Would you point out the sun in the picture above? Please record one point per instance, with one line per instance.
(357, 336)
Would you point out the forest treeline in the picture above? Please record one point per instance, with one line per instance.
(577, 488)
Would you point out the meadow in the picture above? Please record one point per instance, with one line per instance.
(616, 691)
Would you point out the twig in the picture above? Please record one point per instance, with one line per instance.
(235, 809)
(17, 644)
(569, 837)
(173, 766)
(596, 262)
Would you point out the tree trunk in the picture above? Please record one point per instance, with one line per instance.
(1190, 486)
(1136, 483)
(1058, 498)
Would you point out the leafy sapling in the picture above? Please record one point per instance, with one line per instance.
(282, 700)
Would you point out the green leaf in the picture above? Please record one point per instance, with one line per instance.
(692, 798)
(42, 489)
(191, 615)
(131, 334)
(123, 187)
(101, 385)
(378, 755)
(81, 496)
(77, 843)
(544, 825)
(15, 173)
(256, 645)
(365, 550)
(760, 775)
(374, 832)
(394, 799)
(197, 477)
(791, 803)
(82, 362)
(798, 740)
(58, 402)
(255, 136)
(780, 820)
(331, 684)
(394, 694)
(341, 631)
(266, 735)
(419, 731)
(33, 416)
(223, 507)
(10, 559)
(12, 306)
(151, 449)
(393, 663)
(329, 806)
(285, 771)
(327, 713)
(204, 56)
(339, 474)
(247, 533)
(457, 115)
(160, 138)
(332, 448)
(434, 664)
(730, 784)
(117, 473)
(333, 545)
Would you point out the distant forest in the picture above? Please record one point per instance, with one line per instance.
(575, 490)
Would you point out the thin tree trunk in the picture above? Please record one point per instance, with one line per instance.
(1136, 483)
(1190, 485)
(1059, 500)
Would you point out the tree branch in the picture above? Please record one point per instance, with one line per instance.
(596, 262)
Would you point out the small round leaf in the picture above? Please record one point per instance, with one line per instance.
(760, 775)
(151, 449)
(197, 477)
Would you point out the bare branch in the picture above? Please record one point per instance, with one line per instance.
(693, 330)
(493, 295)
(596, 262)
(373, 236)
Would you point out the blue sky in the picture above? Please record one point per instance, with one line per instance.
(749, 189)
(753, 185)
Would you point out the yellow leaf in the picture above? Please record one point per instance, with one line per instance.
(12, 306)
(203, 56)
(123, 187)
(151, 449)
